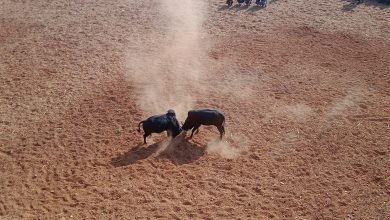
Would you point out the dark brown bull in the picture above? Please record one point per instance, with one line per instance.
(196, 118)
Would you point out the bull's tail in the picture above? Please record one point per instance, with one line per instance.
(223, 125)
(139, 126)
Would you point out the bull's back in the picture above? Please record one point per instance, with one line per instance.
(156, 124)
(207, 116)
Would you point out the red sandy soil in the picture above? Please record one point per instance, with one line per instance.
(314, 119)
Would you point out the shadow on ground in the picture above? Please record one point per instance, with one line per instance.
(135, 154)
(183, 152)
(350, 5)
(179, 151)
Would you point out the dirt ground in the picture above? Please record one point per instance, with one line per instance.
(304, 85)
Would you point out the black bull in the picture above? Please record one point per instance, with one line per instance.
(159, 123)
(196, 118)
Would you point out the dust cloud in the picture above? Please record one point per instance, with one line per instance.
(297, 112)
(341, 106)
(164, 73)
(169, 144)
(230, 147)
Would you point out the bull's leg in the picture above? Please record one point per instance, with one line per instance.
(221, 130)
(229, 2)
(146, 135)
(193, 129)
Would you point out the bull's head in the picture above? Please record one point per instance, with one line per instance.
(176, 130)
(171, 112)
(186, 126)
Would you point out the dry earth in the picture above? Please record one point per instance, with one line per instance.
(304, 85)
